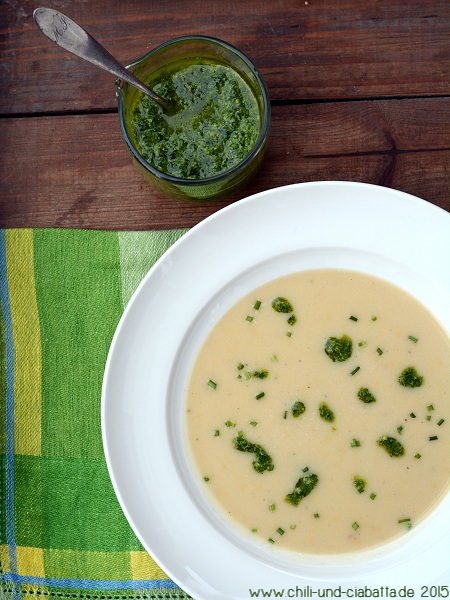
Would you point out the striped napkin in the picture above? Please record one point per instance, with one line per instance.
(62, 531)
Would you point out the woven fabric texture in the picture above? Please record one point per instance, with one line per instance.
(62, 531)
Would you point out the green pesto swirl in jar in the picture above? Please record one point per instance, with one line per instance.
(214, 126)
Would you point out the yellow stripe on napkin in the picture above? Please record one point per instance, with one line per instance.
(30, 561)
(27, 342)
(144, 567)
(87, 565)
(4, 558)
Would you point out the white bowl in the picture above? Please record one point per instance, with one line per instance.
(376, 230)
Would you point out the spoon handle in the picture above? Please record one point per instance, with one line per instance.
(70, 36)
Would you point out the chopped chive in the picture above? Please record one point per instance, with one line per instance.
(413, 339)
(212, 384)
(280, 531)
(428, 417)
(240, 366)
(293, 526)
(230, 424)
(305, 469)
(316, 516)
(206, 479)
(380, 351)
(412, 415)
(273, 358)
(400, 428)
(271, 541)
(352, 318)
(247, 375)
(257, 305)
(355, 443)
(249, 318)
(430, 407)
(404, 520)
(355, 526)
(285, 414)
(216, 433)
(289, 333)
(374, 318)
(271, 507)
(254, 530)
(363, 343)
(372, 496)
(417, 456)
(253, 423)
(260, 395)
(355, 370)
(433, 437)
(440, 422)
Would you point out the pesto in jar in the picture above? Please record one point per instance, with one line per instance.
(214, 126)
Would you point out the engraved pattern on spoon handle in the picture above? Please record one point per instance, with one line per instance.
(69, 35)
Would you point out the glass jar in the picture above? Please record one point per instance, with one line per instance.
(216, 52)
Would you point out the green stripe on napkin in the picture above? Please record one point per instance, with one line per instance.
(79, 308)
(136, 249)
(62, 531)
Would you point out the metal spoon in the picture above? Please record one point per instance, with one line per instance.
(70, 36)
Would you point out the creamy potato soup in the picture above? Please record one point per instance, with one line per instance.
(318, 410)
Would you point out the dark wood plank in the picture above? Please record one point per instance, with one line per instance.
(325, 129)
(75, 171)
(316, 49)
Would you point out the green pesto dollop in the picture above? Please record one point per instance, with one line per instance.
(339, 349)
(262, 374)
(214, 126)
(366, 396)
(282, 305)
(392, 446)
(298, 408)
(325, 412)
(303, 488)
(410, 378)
(359, 483)
(263, 462)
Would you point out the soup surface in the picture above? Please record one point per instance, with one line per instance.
(317, 412)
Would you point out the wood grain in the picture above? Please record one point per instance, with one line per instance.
(360, 92)
(313, 50)
(75, 171)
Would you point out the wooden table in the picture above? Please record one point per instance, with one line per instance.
(360, 92)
